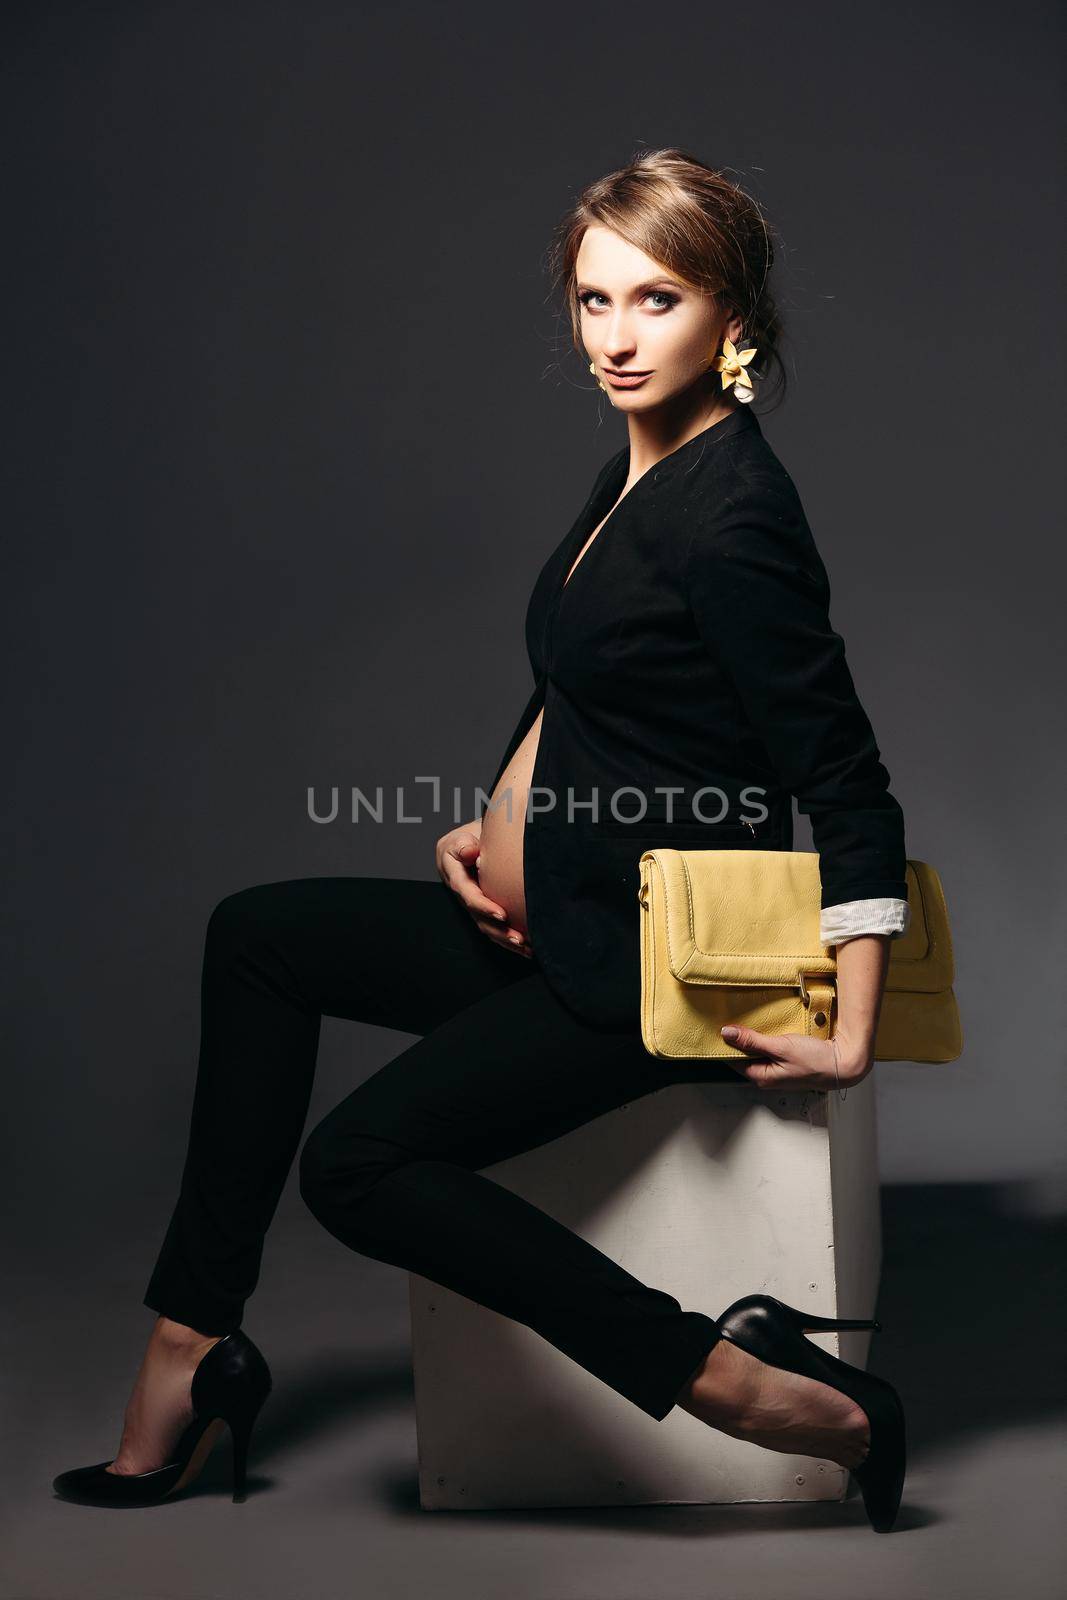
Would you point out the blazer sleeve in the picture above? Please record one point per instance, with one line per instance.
(760, 596)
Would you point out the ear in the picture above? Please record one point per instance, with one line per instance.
(733, 326)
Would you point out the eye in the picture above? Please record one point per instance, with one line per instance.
(589, 295)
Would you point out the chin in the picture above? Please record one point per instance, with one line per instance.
(634, 399)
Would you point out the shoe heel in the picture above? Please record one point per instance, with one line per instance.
(241, 1434)
(808, 1322)
(813, 1324)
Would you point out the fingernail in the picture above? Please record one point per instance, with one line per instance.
(730, 1033)
(516, 938)
(501, 916)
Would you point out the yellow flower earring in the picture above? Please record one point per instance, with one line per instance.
(732, 364)
(592, 368)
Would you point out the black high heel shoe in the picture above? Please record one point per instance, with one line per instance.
(774, 1333)
(230, 1385)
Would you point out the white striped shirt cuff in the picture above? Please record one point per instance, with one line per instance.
(855, 917)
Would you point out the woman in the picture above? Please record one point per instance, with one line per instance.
(681, 645)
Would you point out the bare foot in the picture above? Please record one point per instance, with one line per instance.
(161, 1407)
(748, 1399)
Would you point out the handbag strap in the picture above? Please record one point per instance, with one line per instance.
(818, 990)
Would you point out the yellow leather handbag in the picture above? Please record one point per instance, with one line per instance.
(732, 936)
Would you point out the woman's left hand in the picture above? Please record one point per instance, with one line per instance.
(793, 1061)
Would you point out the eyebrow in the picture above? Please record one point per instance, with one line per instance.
(639, 288)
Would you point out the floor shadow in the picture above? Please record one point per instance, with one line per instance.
(972, 1310)
(331, 1396)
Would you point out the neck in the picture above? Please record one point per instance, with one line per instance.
(654, 434)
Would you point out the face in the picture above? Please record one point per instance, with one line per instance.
(638, 318)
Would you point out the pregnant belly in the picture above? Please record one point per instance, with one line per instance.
(500, 873)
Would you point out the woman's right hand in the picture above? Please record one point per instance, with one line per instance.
(457, 866)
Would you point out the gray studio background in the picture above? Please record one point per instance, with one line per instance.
(292, 425)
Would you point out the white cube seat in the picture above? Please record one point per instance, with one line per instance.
(708, 1191)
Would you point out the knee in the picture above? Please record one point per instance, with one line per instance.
(239, 911)
(247, 917)
(337, 1173)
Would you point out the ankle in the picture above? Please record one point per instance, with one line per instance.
(720, 1393)
(179, 1336)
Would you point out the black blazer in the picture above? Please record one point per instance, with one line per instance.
(692, 647)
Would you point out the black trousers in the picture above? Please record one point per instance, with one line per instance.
(393, 1171)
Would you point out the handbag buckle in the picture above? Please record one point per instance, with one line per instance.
(823, 977)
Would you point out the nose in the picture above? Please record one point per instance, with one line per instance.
(619, 345)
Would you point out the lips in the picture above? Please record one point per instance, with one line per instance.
(626, 380)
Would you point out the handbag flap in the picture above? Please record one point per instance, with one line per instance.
(750, 918)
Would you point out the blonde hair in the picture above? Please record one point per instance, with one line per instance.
(696, 222)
